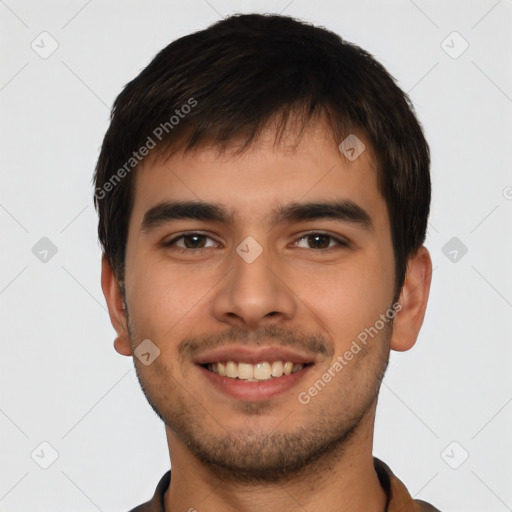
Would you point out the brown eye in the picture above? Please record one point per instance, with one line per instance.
(322, 241)
(319, 241)
(190, 241)
(194, 241)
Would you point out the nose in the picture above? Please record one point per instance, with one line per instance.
(254, 293)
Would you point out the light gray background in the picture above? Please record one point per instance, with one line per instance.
(61, 380)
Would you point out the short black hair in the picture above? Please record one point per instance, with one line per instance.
(230, 81)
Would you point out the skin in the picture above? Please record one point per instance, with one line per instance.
(230, 454)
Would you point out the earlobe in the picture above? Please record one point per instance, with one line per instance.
(116, 308)
(413, 301)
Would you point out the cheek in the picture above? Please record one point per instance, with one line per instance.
(161, 296)
(347, 299)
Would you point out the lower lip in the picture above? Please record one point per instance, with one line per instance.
(255, 391)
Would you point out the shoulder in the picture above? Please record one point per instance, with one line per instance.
(156, 503)
(426, 507)
(399, 498)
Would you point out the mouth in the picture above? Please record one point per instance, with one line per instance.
(254, 373)
(248, 372)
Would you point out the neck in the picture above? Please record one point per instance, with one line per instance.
(344, 479)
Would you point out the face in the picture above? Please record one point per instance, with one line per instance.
(254, 288)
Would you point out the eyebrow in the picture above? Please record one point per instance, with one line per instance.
(340, 209)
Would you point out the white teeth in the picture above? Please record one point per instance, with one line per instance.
(245, 371)
(277, 369)
(296, 367)
(231, 369)
(262, 371)
(255, 372)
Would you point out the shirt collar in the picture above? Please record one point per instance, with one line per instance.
(399, 499)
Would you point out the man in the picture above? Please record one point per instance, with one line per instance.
(263, 192)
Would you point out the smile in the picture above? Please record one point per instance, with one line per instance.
(254, 372)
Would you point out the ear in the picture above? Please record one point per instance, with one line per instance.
(413, 300)
(116, 309)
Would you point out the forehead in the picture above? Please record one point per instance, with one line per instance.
(254, 183)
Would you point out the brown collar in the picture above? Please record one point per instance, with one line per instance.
(399, 499)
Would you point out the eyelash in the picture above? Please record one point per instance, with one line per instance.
(171, 244)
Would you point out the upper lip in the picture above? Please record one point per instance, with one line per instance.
(252, 355)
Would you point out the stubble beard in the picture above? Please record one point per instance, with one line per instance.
(250, 456)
